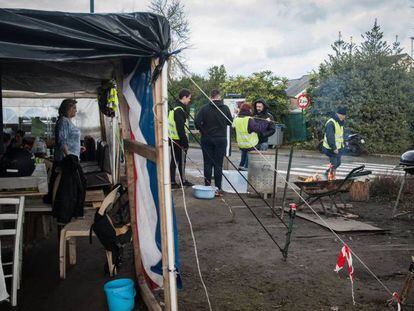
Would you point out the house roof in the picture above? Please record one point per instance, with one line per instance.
(53, 52)
(296, 86)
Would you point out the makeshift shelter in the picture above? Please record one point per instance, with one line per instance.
(53, 54)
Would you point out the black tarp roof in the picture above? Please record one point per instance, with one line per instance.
(55, 52)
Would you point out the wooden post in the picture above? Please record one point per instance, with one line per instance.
(143, 287)
(170, 300)
(102, 124)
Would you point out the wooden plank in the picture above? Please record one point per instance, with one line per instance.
(36, 183)
(158, 113)
(94, 196)
(141, 149)
(146, 294)
(339, 224)
(27, 193)
(96, 204)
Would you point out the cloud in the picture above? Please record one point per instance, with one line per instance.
(288, 37)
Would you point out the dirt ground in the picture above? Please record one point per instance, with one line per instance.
(243, 269)
(82, 290)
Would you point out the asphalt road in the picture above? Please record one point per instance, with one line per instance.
(304, 164)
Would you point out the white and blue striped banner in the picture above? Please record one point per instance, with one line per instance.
(138, 93)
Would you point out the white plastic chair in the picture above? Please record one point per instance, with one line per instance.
(17, 217)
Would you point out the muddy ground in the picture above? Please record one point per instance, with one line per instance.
(243, 269)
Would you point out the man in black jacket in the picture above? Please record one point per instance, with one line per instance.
(261, 111)
(179, 140)
(212, 121)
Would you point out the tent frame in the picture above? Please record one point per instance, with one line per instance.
(158, 154)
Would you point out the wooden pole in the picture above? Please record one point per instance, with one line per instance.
(169, 287)
(143, 287)
(103, 128)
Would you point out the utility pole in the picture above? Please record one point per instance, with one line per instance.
(92, 9)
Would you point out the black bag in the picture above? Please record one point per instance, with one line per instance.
(112, 223)
(17, 162)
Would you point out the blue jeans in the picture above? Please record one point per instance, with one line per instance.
(244, 162)
(263, 146)
(334, 159)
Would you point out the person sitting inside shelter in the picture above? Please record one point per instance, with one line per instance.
(18, 140)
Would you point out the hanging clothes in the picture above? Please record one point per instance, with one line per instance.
(69, 190)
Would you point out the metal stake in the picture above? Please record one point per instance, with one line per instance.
(274, 182)
(399, 195)
(287, 180)
(292, 214)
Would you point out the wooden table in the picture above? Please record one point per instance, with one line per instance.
(35, 185)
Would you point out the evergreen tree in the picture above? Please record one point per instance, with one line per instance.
(373, 82)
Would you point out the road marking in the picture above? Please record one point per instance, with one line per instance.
(344, 169)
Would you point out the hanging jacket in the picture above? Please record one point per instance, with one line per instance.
(69, 190)
(264, 114)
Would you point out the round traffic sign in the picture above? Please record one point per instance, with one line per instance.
(303, 101)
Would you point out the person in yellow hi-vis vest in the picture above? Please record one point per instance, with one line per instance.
(247, 132)
(177, 118)
(333, 140)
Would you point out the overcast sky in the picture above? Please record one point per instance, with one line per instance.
(288, 37)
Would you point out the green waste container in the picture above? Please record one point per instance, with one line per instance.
(295, 130)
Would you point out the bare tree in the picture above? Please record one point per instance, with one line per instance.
(174, 12)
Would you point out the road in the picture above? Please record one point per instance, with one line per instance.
(303, 166)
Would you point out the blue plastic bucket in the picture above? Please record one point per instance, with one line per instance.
(120, 294)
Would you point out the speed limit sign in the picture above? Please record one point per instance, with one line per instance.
(303, 101)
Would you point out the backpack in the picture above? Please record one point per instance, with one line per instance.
(112, 223)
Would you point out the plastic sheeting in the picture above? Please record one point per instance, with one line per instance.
(64, 52)
(87, 118)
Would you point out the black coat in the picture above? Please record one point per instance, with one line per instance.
(211, 122)
(264, 114)
(69, 190)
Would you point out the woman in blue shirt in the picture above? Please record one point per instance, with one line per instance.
(67, 135)
(67, 139)
(69, 187)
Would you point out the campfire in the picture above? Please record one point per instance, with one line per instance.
(317, 177)
(312, 178)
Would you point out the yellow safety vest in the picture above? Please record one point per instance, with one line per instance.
(171, 123)
(339, 135)
(245, 140)
(113, 99)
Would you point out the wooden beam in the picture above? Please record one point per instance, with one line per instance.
(157, 95)
(102, 126)
(146, 293)
(141, 149)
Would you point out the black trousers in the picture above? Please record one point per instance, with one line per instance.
(214, 150)
(180, 157)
